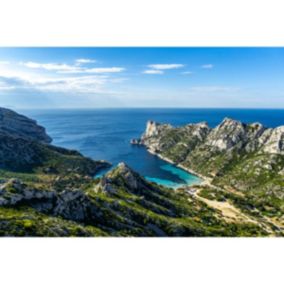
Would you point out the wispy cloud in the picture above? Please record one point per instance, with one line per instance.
(49, 66)
(165, 66)
(71, 69)
(77, 84)
(207, 66)
(84, 61)
(99, 70)
(153, 72)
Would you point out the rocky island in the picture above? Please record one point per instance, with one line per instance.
(51, 191)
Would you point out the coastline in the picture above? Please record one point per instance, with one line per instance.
(205, 180)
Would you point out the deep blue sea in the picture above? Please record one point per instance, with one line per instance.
(105, 134)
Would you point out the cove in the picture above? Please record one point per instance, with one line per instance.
(104, 134)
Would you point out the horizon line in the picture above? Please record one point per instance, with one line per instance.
(102, 108)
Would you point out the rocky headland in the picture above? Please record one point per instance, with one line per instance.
(242, 158)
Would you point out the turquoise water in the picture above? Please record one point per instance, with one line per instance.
(104, 134)
(187, 178)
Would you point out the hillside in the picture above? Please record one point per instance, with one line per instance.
(233, 156)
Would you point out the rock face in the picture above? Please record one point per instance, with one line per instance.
(20, 126)
(153, 129)
(273, 140)
(156, 141)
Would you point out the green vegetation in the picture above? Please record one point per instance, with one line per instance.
(25, 221)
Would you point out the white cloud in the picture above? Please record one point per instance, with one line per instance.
(78, 84)
(49, 66)
(71, 69)
(153, 72)
(99, 70)
(165, 66)
(207, 66)
(84, 61)
(4, 62)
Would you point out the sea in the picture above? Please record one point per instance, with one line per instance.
(105, 134)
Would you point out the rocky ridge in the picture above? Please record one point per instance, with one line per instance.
(227, 135)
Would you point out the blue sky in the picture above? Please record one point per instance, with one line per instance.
(141, 77)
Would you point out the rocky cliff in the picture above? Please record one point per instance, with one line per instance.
(227, 135)
(234, 155)
(20, 126)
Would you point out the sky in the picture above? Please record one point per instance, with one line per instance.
(141, 77)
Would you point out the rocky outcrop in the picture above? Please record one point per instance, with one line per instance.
(122, 176)
(20, 126)
(161, 137)
(14, 192)
(153, 129)
(227, 135)
(69, 204)
(224, 152)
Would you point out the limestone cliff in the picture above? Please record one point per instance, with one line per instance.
(247, 158)
(229, 134)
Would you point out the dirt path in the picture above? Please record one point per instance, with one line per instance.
(229, 212)
(232, 214)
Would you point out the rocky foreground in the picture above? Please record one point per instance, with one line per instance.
(50, 191)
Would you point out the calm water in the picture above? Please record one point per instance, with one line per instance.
(105, 134)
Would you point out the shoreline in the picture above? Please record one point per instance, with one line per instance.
(205, 180)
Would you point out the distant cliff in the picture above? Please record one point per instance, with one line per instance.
(229, 134)
(20, 126)
(233, 155)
